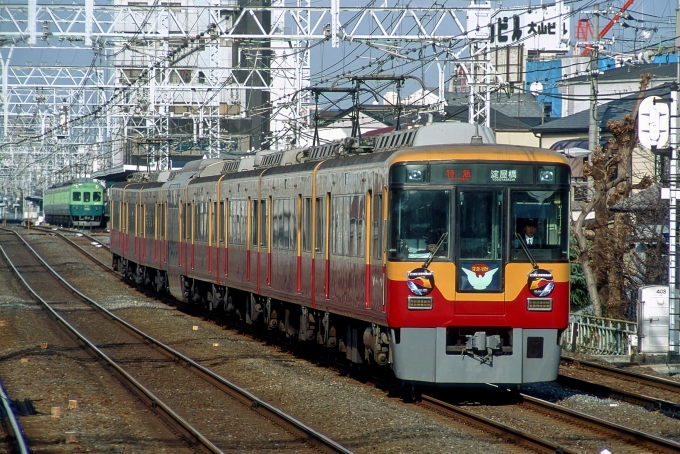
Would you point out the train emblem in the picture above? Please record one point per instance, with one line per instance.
(541, 283)
(420, 281)
(480, 276)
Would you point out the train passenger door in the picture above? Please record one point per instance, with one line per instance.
(374, 238)
(320, 271)
(173, 227)
(265, 206)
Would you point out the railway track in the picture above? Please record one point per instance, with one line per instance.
(653, 393)
(158, 374)
(628, 440)
(11, 434)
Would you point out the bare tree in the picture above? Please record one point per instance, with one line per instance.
(601, 246)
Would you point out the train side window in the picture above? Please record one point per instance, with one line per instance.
(253, 222)
(377, 227)
(307, 224)
(150, 218)
(320, 224)
(264, 234)
(284, 228)
(223, 226)
(237, 222)
(76, 196)
(348, 225)
(199, 221)
(131, 218)
(96, 196)
(213, 219)
(86, 196)
(189, 231)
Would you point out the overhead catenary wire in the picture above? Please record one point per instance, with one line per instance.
(373, 66)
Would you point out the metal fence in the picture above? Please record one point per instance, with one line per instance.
(600, 336)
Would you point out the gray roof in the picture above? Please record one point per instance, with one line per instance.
(643, 200)
(515, 105)
(613, 110)
(630, 72)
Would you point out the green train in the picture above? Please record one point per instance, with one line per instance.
(78, 203)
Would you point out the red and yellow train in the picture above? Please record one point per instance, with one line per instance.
(407, 251)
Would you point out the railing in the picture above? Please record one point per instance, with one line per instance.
(600, 336)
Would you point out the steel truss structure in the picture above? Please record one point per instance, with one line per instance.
(147, 79)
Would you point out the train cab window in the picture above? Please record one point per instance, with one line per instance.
(96, 196)
(543, 216)
(86, 196)
(76, 196)
(419, 219)
(480, 244)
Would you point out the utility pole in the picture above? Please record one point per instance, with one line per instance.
(593, 127)
(674, 306)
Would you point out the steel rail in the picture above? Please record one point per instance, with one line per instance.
(518, 436)
(626, 433)
(152, 401)
(651, 403)
(224, 384)
(15, 436)
(649, 380)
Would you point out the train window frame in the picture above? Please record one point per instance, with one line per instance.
(76, 196)
(96, 196)
(86, 197)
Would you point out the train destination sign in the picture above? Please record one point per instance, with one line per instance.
(472, 173)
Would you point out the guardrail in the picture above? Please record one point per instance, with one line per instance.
(600, 336)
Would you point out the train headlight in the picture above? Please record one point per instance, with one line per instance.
(539, 304)
(546, 174)
(416, 173)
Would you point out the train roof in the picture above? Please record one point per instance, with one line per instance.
(420, 143)
(75, 181)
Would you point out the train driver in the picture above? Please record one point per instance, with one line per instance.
(530, 237)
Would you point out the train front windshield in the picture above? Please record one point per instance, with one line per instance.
(480, 212)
